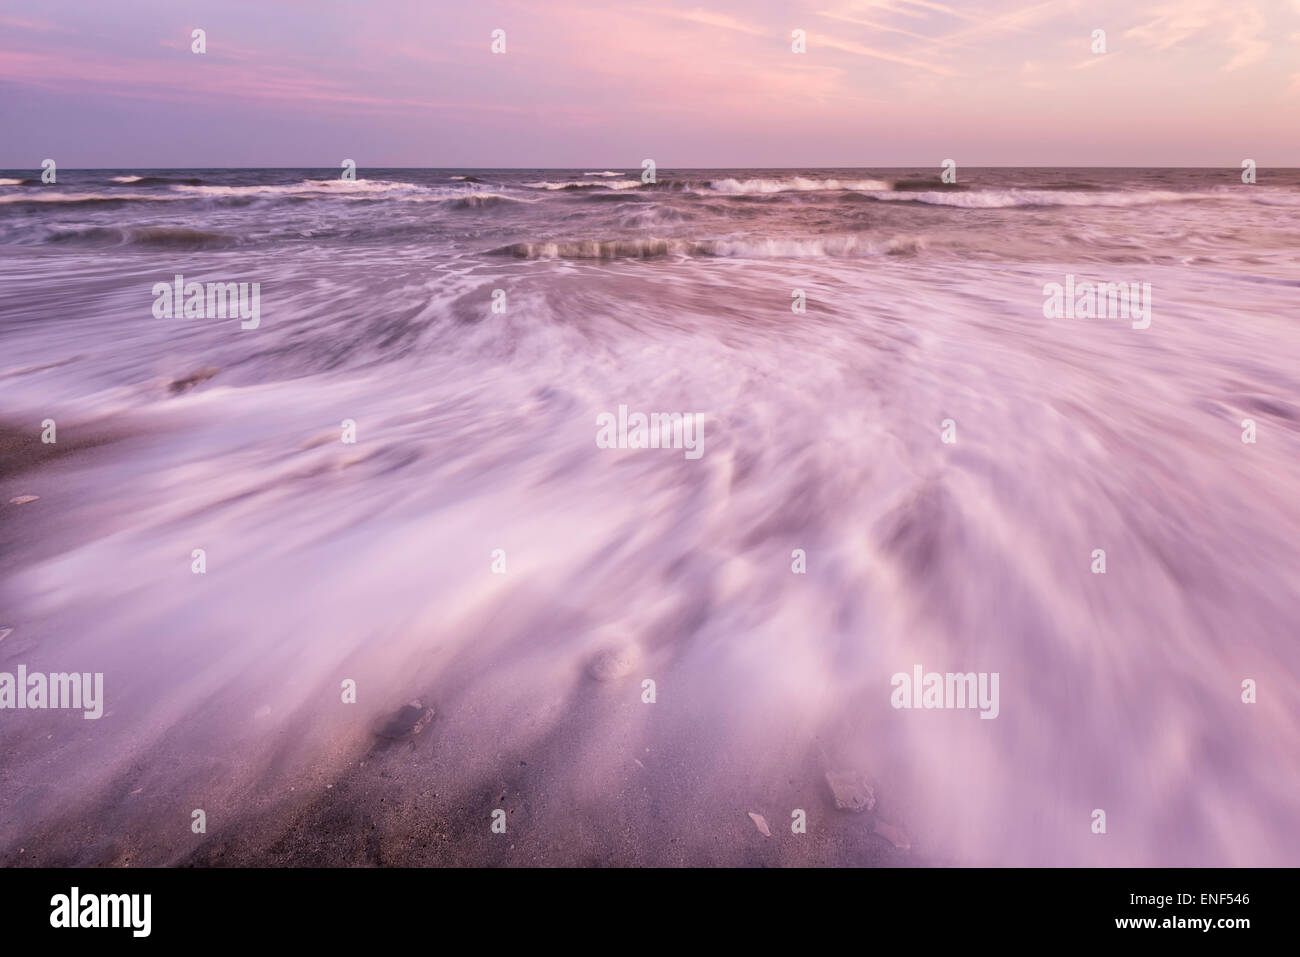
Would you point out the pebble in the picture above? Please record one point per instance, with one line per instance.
(406, 722)
(614, 662)
(760, 822)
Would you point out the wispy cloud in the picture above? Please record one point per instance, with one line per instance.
(1239, 28)
(871, 25)
(858, 49)
(720, 20)
(24, 23)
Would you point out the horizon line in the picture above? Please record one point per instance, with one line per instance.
(610, 168)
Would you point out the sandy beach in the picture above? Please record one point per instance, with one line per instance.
(398, 486)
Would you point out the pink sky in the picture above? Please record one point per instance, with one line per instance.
(883, 83)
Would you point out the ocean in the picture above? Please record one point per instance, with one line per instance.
(909, 463)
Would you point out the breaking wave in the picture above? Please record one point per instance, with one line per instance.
(158, 180)
(173, 237)
(797, 184)
(608, 184)
(1005, 198)
(73, 199)
(832, 247)
(358, 187)
(481, 200)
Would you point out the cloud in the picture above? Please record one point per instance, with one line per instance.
(1095, 59)
(23, 23)
(857, 49)
(871, 25)
(719, 20)
(1240, 27)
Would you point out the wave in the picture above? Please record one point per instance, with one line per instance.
(929, 185)
(796, 184)
(158, 180)
(170, 237)
(456, 197)
(14, 182)
(1071, 187)
(83, 198)
(451, 197)
(608, 184)
(641, 216)
(306, 187)
(480, 200)
(604, 173)
(1007, 198)
(831, 247)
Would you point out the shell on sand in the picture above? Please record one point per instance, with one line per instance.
(760, 822)
(894, 835)
(406, 722)
(5, 633)
(851, 791)
(616, 661)
(23, 499)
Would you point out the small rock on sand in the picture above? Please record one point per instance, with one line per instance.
(23, 499)
(614, 662)
(851, 791)
(198, 377)
(406, 722)
(5, 633)
(760, 822)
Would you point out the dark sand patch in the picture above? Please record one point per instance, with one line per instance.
(30, 467)
(414, 807)
(22, 450)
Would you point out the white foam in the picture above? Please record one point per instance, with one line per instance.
(43, 196)
(609, 184)
(796, 184)
(1003, 198)
(358, 187)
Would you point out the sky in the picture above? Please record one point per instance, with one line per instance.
(883, 83)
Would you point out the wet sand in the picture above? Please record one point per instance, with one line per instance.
(424, 800)
(372, 562)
